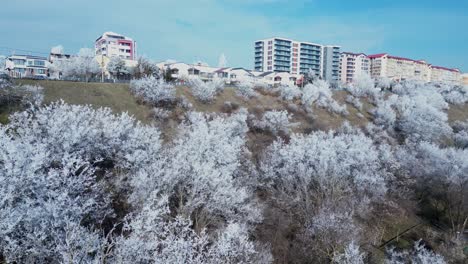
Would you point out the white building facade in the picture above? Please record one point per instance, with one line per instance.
(353, 65)
(26, 66)
(296, 57)
(399, 68)
(446, 75)
(111, 44)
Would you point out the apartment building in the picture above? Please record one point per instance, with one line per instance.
(399, 68)
(111, 44)
(352, 65)
(445, 75)
(295, 57)
(21, 66)
(465, 79)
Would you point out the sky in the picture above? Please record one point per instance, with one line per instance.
(202, 30)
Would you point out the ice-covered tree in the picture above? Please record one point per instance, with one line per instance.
(442, 176)
(117, 67)
(319, 93)
(82, 66)
(222, 61)
(420, 255)
(420, 119)
(274, 122)
(363, 85)
(153, 91)
(59, 165)
(199, 172)
(57, 50)
(146, 68)
(325, 167)
(206, 91)
(156, 237)
(351, 255)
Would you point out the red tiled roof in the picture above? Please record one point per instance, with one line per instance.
(447, 69)
(380, 55)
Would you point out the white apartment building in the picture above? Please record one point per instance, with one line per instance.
(295, 57)
(398, 68)
(111, 44)
(465, 79)
(445, 75)
(21, 66)
(352, 65)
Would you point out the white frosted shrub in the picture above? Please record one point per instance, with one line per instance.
(275, 122)
(206, 91)
(290, 93)
(319, 93)
(153, 91)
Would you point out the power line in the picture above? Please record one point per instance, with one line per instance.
(22, 50)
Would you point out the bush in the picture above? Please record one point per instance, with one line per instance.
(153, 91)
(274, 122)
(206, 91)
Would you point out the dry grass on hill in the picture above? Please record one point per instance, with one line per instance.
(119, 98)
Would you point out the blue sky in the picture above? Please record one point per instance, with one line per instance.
(200, 30)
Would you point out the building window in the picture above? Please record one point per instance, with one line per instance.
(270, 52)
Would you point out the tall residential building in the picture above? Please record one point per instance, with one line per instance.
(398, 68)
(331, 63)
(295, 57)
(465, 79)
(445, 75)
(352, 65)
(111, 44)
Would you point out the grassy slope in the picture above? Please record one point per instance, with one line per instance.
(119, 99)
(115, 96)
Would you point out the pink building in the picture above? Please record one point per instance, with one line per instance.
(111, 44)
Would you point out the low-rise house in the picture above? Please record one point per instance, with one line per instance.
(27, 66)
(183, 71)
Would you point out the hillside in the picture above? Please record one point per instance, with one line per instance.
(379, 186)
(119, 98)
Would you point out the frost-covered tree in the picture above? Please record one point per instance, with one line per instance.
(245, 88)
(289, 92)
(274, 122)
(442, 176)
(222, 61)
(362, 86)
(384, 114)
(420, 120)
(57, 50)
(117, 68)
(454, 94)
(326, 180)
(199, 172)
(146, 68)
(419, 255)
(206, 91)
(319, 93)
(460, 136)
(351, 255)
(55, 184)
(156, 237)
(154, 91)
(22, 95)
(81, 67)
(49, 205)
